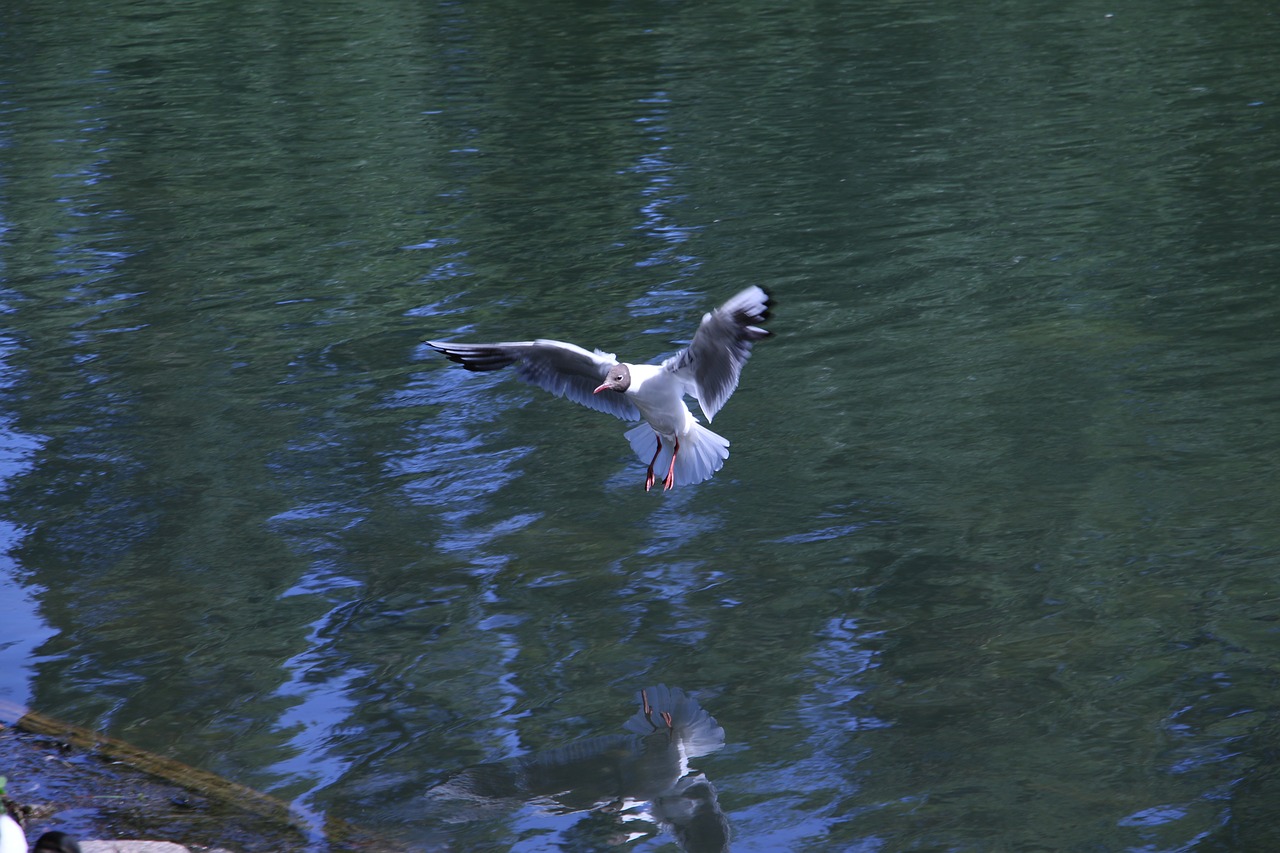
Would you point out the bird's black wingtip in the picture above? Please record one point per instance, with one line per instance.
(769, 303)
(474, 357)
(747, 316)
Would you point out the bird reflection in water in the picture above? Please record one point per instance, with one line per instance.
(621, 779)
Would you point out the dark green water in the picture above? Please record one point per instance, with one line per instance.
(994, 564)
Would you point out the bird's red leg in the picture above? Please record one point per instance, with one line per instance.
(649, 478)
(670, 481)
(648, 713)
(647, 708)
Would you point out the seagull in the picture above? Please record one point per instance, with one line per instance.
(707, 370)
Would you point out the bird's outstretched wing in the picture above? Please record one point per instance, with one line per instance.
(563, 369)
(710, 365)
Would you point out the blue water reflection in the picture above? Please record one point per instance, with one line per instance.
(614, 787)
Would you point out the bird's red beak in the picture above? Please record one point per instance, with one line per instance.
(604, 387)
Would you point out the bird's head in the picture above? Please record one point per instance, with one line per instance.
(617, 379)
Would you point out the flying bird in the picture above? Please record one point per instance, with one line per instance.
(671, 437)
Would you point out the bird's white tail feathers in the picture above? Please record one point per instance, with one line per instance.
(702, 453)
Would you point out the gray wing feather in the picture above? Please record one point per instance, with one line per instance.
(563, 369)
(714, 358)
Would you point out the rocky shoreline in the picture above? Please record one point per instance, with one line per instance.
(69, 779)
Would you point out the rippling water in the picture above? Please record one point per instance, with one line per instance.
(992, 564)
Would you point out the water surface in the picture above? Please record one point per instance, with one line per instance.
(992, 564)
